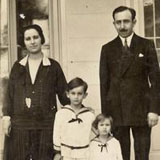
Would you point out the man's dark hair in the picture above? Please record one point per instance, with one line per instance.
(123, 8)
(32, 26)
(77, 82)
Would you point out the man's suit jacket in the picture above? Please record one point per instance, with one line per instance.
(130, 85)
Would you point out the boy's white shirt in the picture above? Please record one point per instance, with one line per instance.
(72, 134)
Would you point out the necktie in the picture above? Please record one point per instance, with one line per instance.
(76, 119)
(126, 44)
(125, 57)
(125, 47)
(102, 146)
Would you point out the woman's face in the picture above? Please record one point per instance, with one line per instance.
(32, 41)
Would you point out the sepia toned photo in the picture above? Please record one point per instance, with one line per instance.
(79, 79)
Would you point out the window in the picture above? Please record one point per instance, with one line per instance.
(4, 43)
(152, 22)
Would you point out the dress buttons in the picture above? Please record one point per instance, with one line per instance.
(33, 92)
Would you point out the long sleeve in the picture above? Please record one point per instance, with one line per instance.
(57, 132)
(8, 102)
(104, 79)
(9, 93)
(3, 96)
(61, 86)
(154, 78)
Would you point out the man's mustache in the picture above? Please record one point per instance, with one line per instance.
(123, 30)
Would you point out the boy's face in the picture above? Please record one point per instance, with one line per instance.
(76, 95)
(104, 127)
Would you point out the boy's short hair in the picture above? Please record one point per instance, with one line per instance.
(123, 8)
(77, 82)
(102, 117)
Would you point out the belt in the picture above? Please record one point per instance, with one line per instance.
(75, 147)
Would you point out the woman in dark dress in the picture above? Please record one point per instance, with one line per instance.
(33, 85)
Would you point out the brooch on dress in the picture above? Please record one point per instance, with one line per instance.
(28, 102)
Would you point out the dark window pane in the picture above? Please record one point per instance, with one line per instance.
(158, 54)
(158, 43)
(157, 17)
(148, 19)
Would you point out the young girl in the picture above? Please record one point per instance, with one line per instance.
(104, 146)
(73, 124)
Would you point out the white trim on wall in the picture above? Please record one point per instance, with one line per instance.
(138, 6)
(12, 33)
(62, 35)
(54, 30)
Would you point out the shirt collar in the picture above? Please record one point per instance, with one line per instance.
(98, 140)
(45, 61)
(83, 109)
(129, 38)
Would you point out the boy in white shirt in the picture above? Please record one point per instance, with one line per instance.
(73, 124)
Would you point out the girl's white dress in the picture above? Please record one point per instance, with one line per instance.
(108, 151)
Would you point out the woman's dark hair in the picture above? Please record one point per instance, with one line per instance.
(77, 82)
(32, 26)
(102, 117)
(123, 8)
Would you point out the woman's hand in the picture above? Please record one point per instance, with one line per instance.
(6, 124)
(57, 157)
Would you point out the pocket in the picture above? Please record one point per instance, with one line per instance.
(140, 60)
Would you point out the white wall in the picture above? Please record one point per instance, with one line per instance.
(88, 25)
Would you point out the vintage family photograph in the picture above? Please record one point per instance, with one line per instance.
(79, 79)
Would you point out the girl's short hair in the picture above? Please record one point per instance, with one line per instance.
(32, 26)
(77, 82)
(102, 117)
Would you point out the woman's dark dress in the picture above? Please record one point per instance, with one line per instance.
(32, 127)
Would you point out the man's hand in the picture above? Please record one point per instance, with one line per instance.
(152, 119)
(57, 156)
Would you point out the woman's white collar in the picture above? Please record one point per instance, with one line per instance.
(45, 61)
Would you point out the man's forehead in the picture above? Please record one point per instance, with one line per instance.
(126, 14)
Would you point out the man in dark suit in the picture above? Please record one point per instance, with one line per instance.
(129, 84)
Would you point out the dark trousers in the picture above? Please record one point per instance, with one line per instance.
(141, 137)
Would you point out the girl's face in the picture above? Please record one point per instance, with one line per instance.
(32, 41)
(76, 95)
(104, 127)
